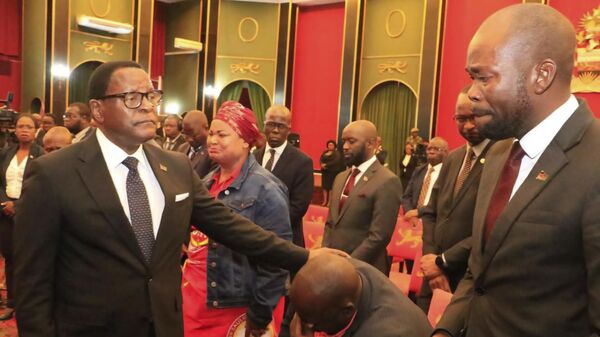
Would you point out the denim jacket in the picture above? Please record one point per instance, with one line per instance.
(232, 280)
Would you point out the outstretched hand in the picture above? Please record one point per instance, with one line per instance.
(322, 251)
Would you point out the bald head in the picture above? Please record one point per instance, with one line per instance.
(531, 33)
(325, 292)
(359, 142)
(195, 128)
(56, 138)
(278, 120)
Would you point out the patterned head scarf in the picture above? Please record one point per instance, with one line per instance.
(240, 119)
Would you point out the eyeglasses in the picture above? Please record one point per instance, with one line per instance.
(435, 148)
(275, 125)
(462, 119)
(133, 99)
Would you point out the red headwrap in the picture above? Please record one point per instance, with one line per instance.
(241, 120)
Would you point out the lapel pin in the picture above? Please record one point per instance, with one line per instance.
(366, 178)
(482, 161)
(542, 176)
(163, 167)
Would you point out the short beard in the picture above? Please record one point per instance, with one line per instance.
(510, 125)
(358, 158)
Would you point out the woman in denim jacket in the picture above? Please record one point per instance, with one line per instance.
(221, 288)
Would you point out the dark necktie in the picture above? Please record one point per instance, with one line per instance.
(425, 187)
(504, 187)
(139, 209)
(464, 173)
(348, 188)
(269, 165)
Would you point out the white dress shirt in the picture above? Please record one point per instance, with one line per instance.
(278, 152)
(14, 177)
(434, 175)
(114, 156)
(362, 168)
(535, 142)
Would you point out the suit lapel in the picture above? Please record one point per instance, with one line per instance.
(552, 160)
(259, 155)
(161, 169)
(336, 194)
(282, 161)
(96, 177)
(473, 175)
(355, 193)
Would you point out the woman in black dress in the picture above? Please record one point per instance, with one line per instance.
(331, 164)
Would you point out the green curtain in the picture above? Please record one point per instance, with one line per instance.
(391, 106)
(231, 92)
(78, 81)
(260, 102)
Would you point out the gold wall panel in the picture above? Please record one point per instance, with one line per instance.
(115, 10)
(34, 52)
(392, 38)
(247, 39)
(86, 47)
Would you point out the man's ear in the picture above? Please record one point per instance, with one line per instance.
(97, 111)
(544, 75)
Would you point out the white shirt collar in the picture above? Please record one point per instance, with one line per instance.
(278, 150)
(437, 168)
(114, 155)
(537, 139)
(366, 164)
(82, 133)
(477, 149)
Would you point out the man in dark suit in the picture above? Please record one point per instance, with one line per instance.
(337, 296)
(289, 164)
(534, 268)
(364, 200)
(195, 131)
(172, 126)
(110, 265)
(448, 218)
(78, 119)
(418, 192)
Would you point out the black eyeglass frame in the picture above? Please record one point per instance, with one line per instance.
(123, 95)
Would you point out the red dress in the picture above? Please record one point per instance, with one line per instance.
(198, 319)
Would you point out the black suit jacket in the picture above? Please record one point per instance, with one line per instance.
(5, 158)
(448, 219)
(538, 274)
(78, 268)
(410, 198)
(179, 141)
(383, 311)
(406, 172)
(201, 163)
(295, 170)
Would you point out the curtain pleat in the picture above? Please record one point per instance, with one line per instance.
(231, 92)
(260, 102)
(391, 106)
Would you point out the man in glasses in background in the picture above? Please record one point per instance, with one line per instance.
(78, 119)
(103, 259)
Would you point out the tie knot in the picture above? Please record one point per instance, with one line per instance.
(516, 152)
(131, 163)
(355, 172)
(272, 151)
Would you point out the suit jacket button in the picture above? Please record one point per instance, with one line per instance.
(479, 291)
(213, 245)
(213, 264)
(226, 192)
(215, 304)
(213, 284)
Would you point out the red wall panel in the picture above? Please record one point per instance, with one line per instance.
(574, 10)
(10, 49)
(462, 18)
(316, 76)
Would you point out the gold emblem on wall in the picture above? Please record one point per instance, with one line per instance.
(587, 67)
(248, 21)
(390, 67)
(244, 68)
(388, 21)
(95, 10)
(99, 47)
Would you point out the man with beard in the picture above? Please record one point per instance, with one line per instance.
(195, 131)
(448, 218)
(534, 268)
(364, 200)
(78, 120)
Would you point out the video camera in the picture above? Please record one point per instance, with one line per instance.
(7, 115)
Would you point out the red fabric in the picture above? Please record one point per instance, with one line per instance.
(10, 50)
(340, 333)
(241, 120)
(574, 10)
(316, 78)
(348, 188)
(504, 187)
(159, 26)
(218, 187)
(462, 18)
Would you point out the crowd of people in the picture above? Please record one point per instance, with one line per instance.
(110, 228)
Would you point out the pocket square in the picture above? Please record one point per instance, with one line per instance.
(182, 196)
